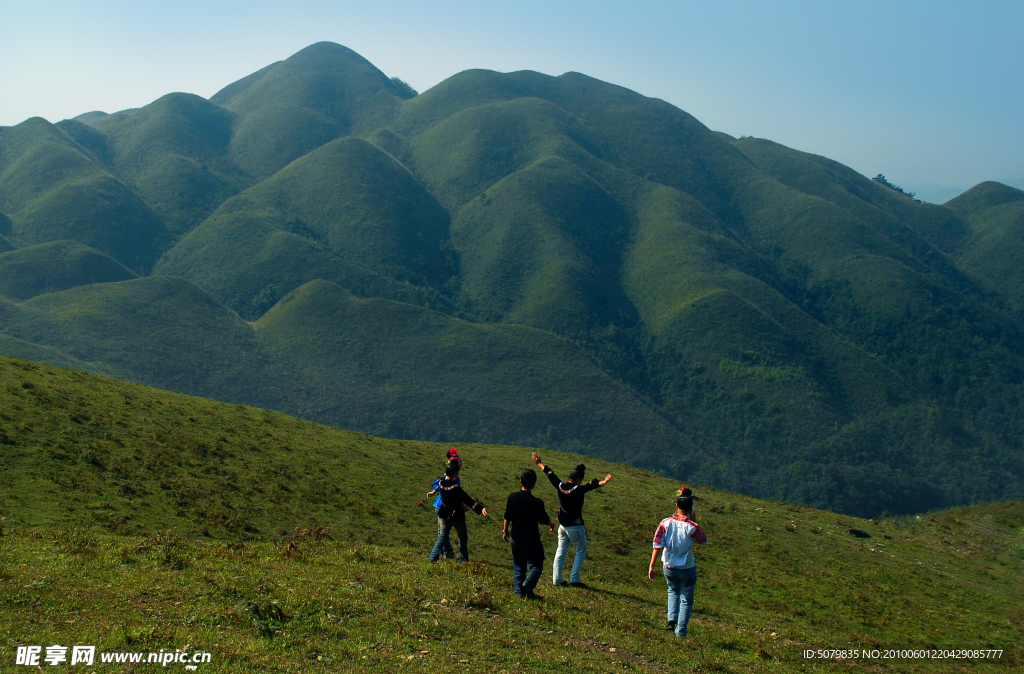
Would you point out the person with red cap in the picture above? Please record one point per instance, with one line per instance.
(452, 514)
(452, 456)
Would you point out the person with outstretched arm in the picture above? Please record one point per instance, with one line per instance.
(523, 512)
(452, 455)
(675, 537)
(453, 497)
(570, 519)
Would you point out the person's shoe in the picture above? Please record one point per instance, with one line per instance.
(671, 625)
(564, 583)
(532, 596)
(579, 584)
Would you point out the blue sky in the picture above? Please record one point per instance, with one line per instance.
(929, 93)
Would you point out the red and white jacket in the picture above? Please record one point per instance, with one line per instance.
(675, 538)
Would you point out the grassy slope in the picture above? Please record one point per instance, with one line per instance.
(52, 267)
(402, 370)
(438, 376)
(160, 330)
(199, 498)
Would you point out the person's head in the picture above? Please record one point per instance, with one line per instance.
(684, 504)
(684, 492)
(453, 454)
(528, 478)
(577, 473)
(452, 469)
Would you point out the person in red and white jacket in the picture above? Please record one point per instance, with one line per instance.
(675, 538)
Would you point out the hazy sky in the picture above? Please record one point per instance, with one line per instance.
(924, 92)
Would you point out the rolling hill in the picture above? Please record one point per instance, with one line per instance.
(527, 259)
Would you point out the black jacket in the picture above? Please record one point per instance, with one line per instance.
(452, 498)
(524, 512)
(570, 498)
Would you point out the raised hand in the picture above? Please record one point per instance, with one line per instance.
(605, 480)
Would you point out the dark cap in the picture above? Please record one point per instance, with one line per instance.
(578, 472)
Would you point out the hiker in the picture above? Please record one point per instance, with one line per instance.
(523, 512)
(451, 514)
(452, 455)
(570, 519)
(675, 538)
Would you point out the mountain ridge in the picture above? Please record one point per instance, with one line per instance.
(788, 327)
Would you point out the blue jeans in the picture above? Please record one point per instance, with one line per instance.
(681, 585)
(458, 522)
(578, 536)
(523, 582)
(447, 552)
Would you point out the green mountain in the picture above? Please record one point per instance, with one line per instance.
(994, 214)
(275, 543)
(485, 380)
(52, 267)
(296, 105)
(529, 259)
(346, 212)
(172, 153)
(156, 329)
(52, 189)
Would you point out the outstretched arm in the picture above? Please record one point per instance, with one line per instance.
(605, 480)
(473, 503)
(552, 478)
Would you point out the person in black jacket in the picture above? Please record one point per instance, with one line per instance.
(523, 512)
(570, 519)
(452, 515)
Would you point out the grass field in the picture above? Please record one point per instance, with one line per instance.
(137, 519)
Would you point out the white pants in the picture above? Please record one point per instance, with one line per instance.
(578, 536)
